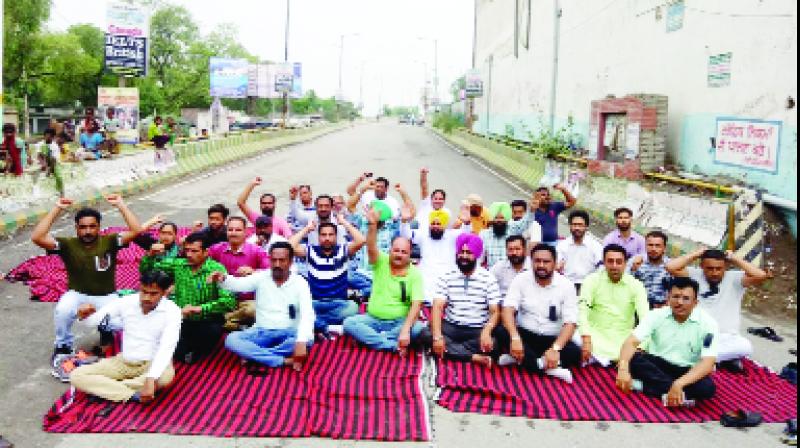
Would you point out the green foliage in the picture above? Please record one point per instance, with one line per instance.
(547, 143)
(398, 111)
(448, 121)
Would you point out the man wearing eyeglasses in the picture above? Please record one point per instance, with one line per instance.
(721, 294)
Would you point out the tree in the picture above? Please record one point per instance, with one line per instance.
(22, 22)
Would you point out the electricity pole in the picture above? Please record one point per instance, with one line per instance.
(286, 61)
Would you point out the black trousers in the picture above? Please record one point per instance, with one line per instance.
(535, 345)
(658, 374)
(198, 337)
(460, 342)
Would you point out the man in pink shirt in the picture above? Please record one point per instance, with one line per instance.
(267, 202)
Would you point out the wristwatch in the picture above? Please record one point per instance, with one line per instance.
(556, 347)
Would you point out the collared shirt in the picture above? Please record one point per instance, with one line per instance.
(250, 255)
(543, 309)
(192, 288)
(494, 247)
(148, 337)
(385, 236)
(725, 303)
(505, 273)
(580, 260)
(548, 219)
(327, 275)
(655, 279)
(275, 238)
(608, 310)
(278, 307)
(279, 225)
(300, 215)
(392, 295)
(468, 297)
(634, 244)
(682, 344)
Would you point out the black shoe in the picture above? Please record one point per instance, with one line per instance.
(61, 350)
(733, 366)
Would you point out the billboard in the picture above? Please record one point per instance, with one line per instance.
(297, 80)
(260, 81)
(473, 84)
(228, 77)
(125, 102)
(284, 77)
(126, 34)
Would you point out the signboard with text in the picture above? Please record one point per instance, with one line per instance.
(126, 34)
(284, 78)
(125, 102)
(228, 77)
(473, 84)
(751, 144)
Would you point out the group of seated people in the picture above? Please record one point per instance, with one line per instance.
(502, 288)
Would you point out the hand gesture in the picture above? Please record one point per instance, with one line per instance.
(156, 220)
(114, 199)
(675, 395)
(370, 185)
(403, 341)
(730, 255)
(636, 263)
(340, 218)
(424, 171)
(157, 249)
(487, 343)
(373, 217)
(311, 226)
(256, 182)
(398, 188)
(699, 251)
(244, 271)
(197, 226)
(64, 203)
(464, 215)
(586, 350)
(293, 190)
(215, 277)
(190, 310)
(624, 381)
(517, 351)
(536, 200)
(439, 346)
(85, 310)
(559, 187)
(300, 356)
(551, 359)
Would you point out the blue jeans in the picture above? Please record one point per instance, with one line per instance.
(378, 334)
(356, 279)
(332, 312)
(264, 346)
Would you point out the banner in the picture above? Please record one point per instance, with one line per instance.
(260, 81)
(297, 80)
(228, 77)
(127, 30)
(284, 77)
(473, 84)
(745, 143)
(125, 102)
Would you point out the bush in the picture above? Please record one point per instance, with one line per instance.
(447, 122)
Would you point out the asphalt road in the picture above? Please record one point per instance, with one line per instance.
(329, 163)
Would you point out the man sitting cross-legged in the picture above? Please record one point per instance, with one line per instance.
(328, 263)
(284, 326)
(680, 352)
(151, 324)
(469, 299)
(539, 316)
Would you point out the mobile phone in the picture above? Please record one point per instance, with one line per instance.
(368, 174)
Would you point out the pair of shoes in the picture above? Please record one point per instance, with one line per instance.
(733, 366)
(60, 355)
(789, 373)
(741, 419)
(765, 332)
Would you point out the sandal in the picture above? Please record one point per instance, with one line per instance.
(741, 419)
(765, 332)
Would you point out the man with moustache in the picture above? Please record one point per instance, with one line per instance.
(624, 235)
(429, 202)
(466, 308)
(546, 211)
(494, 238)
(652, 270)
(609, 304)
(539, 318)
(284, 326)
(152, 324)
(167, 237)
(680, 354)
(215, 232)
(524, 223)
(301, 207)
(239, 257)
(267, 204)
(580, 254)
(515, 263)
(264, 235)
(377, 189)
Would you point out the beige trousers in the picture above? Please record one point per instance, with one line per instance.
(116, 379)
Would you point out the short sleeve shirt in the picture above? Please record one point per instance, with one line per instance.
(724, 303)
(91, 142)
(549, 221)
(392, 296)
(468, 298)
(682, 344)
(90, 270)
(543, 310)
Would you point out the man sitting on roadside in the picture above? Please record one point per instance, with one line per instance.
(151, 324)
(580, 254)
(539, 316)
(624, 235)
(216, 231)
(652, 269)
(610, 301)
(546, 211)
(680, 352)
(267, 205)
(721, 294)
(524, 223)
(466, 307)
(264, 235)
(515, 263)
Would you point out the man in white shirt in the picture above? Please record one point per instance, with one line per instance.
(516, 262)
(284, 327)
(539, 315)
(524, 222)
(152, 326)
(581, 254)
(430, 202)
(265, 236)
(721, 294)
(377, 189)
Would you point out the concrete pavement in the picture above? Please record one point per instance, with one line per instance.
(328, 164)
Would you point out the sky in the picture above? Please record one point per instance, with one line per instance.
(388, 52)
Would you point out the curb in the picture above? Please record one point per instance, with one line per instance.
(194, 157)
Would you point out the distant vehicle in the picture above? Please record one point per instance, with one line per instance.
(420, 121)
(404, 119)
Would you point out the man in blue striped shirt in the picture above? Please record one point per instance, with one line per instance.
(327, 271)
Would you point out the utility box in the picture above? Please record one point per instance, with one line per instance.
(628, 136)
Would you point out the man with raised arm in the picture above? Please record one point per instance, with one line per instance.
(267, 203)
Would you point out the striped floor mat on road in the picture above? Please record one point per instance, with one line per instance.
(511, 391)
(344, 392)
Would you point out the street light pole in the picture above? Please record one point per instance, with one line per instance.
(286, 61)
(471, 101)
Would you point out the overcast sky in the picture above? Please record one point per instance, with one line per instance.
(394, 60)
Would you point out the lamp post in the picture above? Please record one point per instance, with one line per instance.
(340, 92)
(286, 61)
(435, 65)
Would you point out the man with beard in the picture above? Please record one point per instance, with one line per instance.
(90, 260)
(479, 217)
(652, 272)
(494, 238)
(466, 307)
(202, 304)
(679, 357)
(324, 207)
(239, 257)
(152, 324)
(390, 323)
(267, 204)
(301, 207)
(377, 189)
(580, 254)
(216, 231)
(515, 263)
(624, 235)
(610, 301)
(539, 316)
(284, 326)
(429, 202)
(328, 264)
(721, 293)
(437, 246)
(167, 236)
(546, 211)
(264, 235)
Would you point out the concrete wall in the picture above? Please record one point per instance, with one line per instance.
(623, 47)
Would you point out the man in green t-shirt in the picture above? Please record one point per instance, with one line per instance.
(397, 295)
(90, 260)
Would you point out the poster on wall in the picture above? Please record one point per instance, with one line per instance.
(126, 34)
(749, 144)
(125, 102)
(632, 132)
(228, 77)
(473, 84)
(719, 70)
(675, 13)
